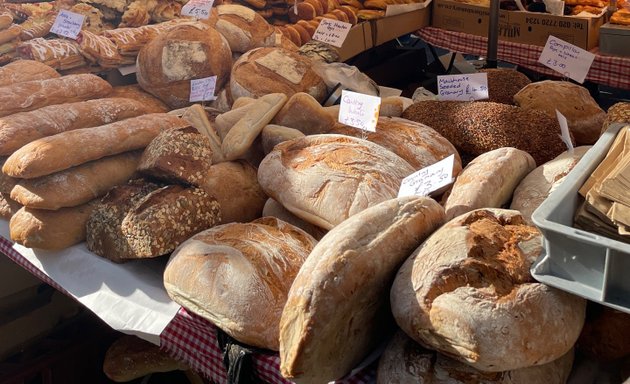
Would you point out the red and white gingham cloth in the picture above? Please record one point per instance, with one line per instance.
(613, 71)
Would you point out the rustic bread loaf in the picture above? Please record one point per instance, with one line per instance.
(394, 106)
(197, 116)
(273, 135)
(337, 306)
(8, 207)
(488, 181)
(238, 276)
(243, 28)
(584, 116)
(324, 179)
(304, 113)
(6, 182)
(225, 121)
(467, 292)
(20, 71)
(274, 209)
(135, 92)
(617, 113)
(504, 83)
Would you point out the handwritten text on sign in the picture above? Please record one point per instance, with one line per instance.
(428, 179)
(67, 24)
(565, 58)
(468, 87)
(333, 32)
(202, 89)
(359, 110)
(199, 9)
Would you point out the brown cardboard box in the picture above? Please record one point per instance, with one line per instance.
(359, 39)
(519, 27)
(389, 28)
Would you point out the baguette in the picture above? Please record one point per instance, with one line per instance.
(35, 94)
(6, 182)
(77, 185)
(8, 207)
(68, 149)
(25, 70)
(20, 129)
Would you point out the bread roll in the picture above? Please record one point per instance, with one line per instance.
(51, 230)
(20, 129)
(337, 305)
(275, 70)
(273, 135)
(274, 209)
(488, 181)
(324, 179)
(30, 95)
(539, 183)
(243, 28)
(404, 361)
(71, 148)
(467, 292)
(304, 113)
(25, 70)
(134, 91)
(238, 276)
(504, 83)
(8, 207)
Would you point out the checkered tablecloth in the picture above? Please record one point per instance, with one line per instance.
(613, 71)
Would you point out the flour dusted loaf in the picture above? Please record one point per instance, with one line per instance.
(404, 361)
(275, 70)
(243, 28)
(337, 307)
(25, 70)
(467, 292)
(324, 179)
(584, 116)
(185, 52)
(238, 276)
(488, 181)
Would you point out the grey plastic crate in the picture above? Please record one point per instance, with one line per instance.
(586, 264)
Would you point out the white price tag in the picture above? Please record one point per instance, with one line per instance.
(203, 89)
(359, 110)
(564, 129)
(128, 69)
(67, 24)
(565, 58)
(428, 179)
(199, 9)
(467, 87)
(333, 32)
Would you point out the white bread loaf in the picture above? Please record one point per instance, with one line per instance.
(488, 181)
(243, 28)
(324, 179)
(467, 292)
(274, 209)
(304, 113)
(238, 276)
(337, 306)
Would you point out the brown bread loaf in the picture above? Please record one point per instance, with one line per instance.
(243, 28)
(135, 92)
(304, 113)
(8, 207)
(504, 83)
(274, 209)
(20, 71)
(273, 135)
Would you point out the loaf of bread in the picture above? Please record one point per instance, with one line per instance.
(8, 207)
(274, 209)
(200, 118)
(324, 179)
(135, 92)
(20, 71)
(71, 148)
(131, 224)
(77, 185)
(225, 121)
(337, 307)
(238, 275)
(394, 106)
(304, 113)
(6, 182)
(617, 113)
(488, 181)
(243, 28)
(29, 95)
(273, 135)
(467, 292)
(504, 83)
(51, 230)
(20, 129)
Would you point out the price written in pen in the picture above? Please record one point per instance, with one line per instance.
(203, 89)
(199, 9)
(359, 110)
(566, 59)
(333, 32)
(67, 24)
(429, 179)
(468, 87)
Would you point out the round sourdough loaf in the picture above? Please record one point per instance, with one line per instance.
(275, 70)
(324, 179)
(187, 51)
(243, 28)
(406, 362)
(238, 276)
(337, 309)
(467, 292)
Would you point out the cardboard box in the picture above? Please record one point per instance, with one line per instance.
(359, 39)
(391, 27)
(519, 27)
(614, 39)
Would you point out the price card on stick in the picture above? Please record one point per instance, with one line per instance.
(359, 110)
(67, 24)
(467, 87)
(199, 9)
(203, 89)
(564, 130)
(567, 59)
(333, 32)
(428, 179)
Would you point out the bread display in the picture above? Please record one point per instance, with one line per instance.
(504, 83)
(467, 292)
(617, 113)
(238, 276)
(243, 28)
(337, 307)
(324, 179)
(25, 70)
(60, 54)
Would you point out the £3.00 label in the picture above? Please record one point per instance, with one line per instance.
(567, 59)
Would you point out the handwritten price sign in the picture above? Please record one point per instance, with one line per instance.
(67, 24)
(565, 58)
(203, 89)
(468, 87)
(199, 9)
(333, 32)
(428, 179)
(359, 110)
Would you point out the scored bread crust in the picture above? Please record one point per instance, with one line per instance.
(25, 70)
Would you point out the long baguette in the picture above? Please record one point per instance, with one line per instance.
(31, 95)
(20, 129)
(68, 149)
(25, 70)
(76, 185)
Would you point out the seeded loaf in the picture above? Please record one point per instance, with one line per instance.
(617, 113)
(337, 307)
(20, 71)
(273, 135)
(8, 207)
(467, 292)
(243, 28)
(504, 83)
(324, 179)
(274, 209)
(238, 275)
(304, 113)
